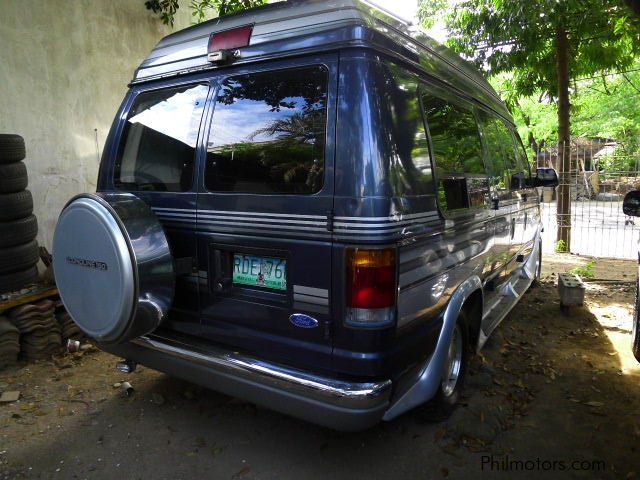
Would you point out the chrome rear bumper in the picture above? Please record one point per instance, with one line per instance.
(338, 404)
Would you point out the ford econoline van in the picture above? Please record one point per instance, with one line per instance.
(309, 205)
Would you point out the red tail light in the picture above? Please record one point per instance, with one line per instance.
(230, 39)
(371, 278)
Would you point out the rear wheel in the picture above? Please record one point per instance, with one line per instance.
(454, 371)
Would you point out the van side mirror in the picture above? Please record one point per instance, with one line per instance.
(546, 177)
(631, 203)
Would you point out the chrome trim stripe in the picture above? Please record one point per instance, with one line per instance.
(262, 220)
(260, 225)
(392, 218)
(364, 228)
(235, 213)
(328, 390)
(346, 221)
(298, 297)
(316, 292)
(252, 230)
(309, 307)
(395, 229)
(177, 215)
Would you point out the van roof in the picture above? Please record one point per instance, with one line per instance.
(294, 27)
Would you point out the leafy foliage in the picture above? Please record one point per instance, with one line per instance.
(561, 246)
(585, 271)
(519, 37)
(603, 107)
(200, 9)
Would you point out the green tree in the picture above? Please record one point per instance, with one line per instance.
(543, 45)
(602, 107)
(200, 9)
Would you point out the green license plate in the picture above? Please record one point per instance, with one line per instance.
(266, 272)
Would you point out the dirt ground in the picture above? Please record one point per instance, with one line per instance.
(551, 396)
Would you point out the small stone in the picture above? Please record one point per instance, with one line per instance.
(8, 397)
(117, 385)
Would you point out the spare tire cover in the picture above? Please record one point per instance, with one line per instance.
(113, 266)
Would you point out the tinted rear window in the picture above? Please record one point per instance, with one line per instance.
(159, 140)
(268, 133)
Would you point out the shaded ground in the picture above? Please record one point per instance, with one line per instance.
(547, 388)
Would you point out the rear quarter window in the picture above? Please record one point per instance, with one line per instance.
(268, 133)
(458, 154)
(159, 140)
(507, 168)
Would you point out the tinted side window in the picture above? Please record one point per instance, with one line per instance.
(410, 171)
(506, 168)
(159, 140)
(457, 150)
(268, 133)
(454, 137)
(521, 154)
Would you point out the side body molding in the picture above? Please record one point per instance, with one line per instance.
(423, 384)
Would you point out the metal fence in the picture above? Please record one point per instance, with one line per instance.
(598, 180)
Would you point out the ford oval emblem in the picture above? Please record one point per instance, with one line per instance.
(303, 321)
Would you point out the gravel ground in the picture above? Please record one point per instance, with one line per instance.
(548, 390)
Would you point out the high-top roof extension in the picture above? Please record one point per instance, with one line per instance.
(297, 27)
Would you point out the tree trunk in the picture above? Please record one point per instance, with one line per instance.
(564, 139)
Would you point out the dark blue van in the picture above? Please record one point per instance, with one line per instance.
(308, 205)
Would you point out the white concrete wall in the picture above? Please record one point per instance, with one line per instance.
(64, 70)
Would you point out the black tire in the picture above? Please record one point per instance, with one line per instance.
(17, 280)
(19, 257)
(13, 177)
(11, 148)
(635, 347)
(16, 232)
(15, 205)
(442, 405)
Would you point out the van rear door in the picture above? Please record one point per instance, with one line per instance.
(155, 158)
(264, 201)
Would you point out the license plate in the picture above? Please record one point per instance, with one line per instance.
(266, 272)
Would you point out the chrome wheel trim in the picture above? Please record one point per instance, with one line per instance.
(453, 363)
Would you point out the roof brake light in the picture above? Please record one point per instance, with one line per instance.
(221, 42)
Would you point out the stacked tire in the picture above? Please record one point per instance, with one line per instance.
(19, 251)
